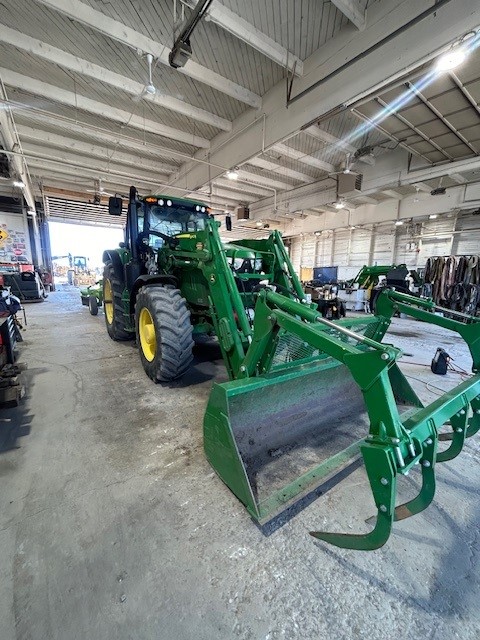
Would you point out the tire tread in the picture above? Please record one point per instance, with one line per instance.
(173, 328)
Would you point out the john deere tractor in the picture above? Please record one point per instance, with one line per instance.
(306, 396)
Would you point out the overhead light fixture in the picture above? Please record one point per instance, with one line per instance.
(398, 223)
(339, 204)
(432, 216)
(232, 174)
(451, 59)
(318, 233)
(19, 184)
(456, 55)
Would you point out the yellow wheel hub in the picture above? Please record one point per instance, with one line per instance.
(146, 331)
(108, 301)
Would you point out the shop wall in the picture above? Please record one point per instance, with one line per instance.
(14, 238)
(412, 244)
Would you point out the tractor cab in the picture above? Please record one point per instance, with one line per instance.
(160, 216)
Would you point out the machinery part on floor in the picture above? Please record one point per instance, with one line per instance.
(26, 285)
(303, 390)
(92, 297)
(326, 298)
(440, 362)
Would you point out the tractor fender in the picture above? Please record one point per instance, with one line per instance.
(113, 257)
(146, 280)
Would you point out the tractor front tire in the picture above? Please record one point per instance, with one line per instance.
(93, 305)
(113, 306)
(164, 332)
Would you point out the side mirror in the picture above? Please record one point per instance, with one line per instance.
(228, 223)
(115, 206)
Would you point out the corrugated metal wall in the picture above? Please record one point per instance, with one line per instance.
(412, 244)
(466, 240)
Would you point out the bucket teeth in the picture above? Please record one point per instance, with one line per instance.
(427, 491)
(460, 425)
(380, 466)
(366, 542)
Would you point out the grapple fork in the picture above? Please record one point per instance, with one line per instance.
(259, 419)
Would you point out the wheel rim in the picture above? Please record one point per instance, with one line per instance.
(146, 332)
(108, 301)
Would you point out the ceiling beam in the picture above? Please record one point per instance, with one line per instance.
(29, 134)
(245, 31)
(102, 135)
(393, 194)
(47, 168)
(46, 182)
(228, 194)
(422, 186)
(55, 94)
(211, 198)
(253, 178)
(36, 152)
(365, 199)
(307, 196)
(241, 186)
(278, 168)
(343, 70)
(353, 11)
(83, 13)
(448, 170)
(456, 177)
(305, 158)
(76, 196)
(106, 76)
(320, 134)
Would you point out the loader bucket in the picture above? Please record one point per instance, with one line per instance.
(276, 437)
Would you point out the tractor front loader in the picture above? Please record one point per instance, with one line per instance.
(306, 395)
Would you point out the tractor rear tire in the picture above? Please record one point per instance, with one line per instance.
(114, 318)
(164, 332)
(93, 306)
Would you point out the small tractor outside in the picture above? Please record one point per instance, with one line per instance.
(306, 396)
(92, 297)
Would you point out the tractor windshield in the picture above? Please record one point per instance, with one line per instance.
(175, 219)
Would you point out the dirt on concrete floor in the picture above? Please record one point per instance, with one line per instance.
(113, 525)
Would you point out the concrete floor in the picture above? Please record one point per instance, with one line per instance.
(113, 525)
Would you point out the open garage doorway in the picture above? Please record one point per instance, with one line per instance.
(77, 251)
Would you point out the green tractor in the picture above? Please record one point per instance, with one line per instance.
(307, 396)
(92, 297)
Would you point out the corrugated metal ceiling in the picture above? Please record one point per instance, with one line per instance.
(441, 125)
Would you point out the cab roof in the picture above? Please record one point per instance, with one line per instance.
(176, 200)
